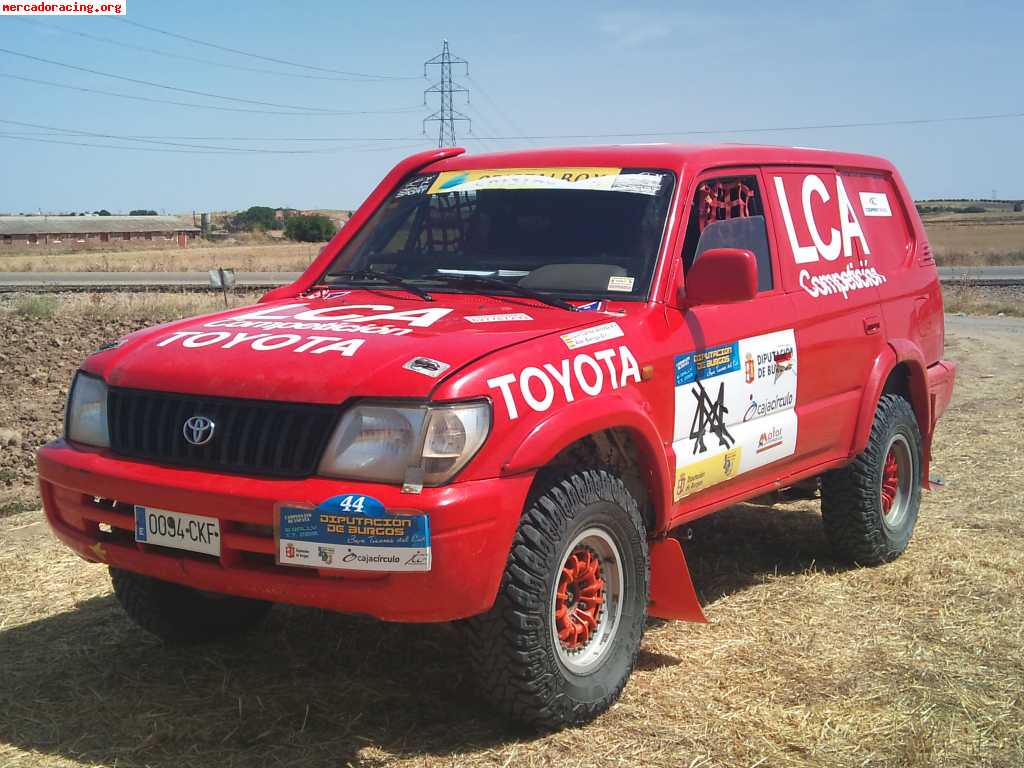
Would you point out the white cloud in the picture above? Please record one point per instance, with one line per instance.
(632, 29)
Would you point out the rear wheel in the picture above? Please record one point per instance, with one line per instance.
(562, 638)
(180, 614)
(870, 506)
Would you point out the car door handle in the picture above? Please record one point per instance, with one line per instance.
(872, 324)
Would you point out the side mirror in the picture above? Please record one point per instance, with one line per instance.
(720, 276)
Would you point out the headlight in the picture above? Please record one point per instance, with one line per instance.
(86, 419)
(380, 443)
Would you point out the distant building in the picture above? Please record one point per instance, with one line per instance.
(63, 230)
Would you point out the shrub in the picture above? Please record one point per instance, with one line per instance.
(35, 306)
(309, 229)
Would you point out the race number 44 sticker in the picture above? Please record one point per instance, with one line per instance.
(351, 532)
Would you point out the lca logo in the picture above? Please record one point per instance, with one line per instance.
(840, 241)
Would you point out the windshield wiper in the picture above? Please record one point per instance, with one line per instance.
(369, 274)
(516, 288)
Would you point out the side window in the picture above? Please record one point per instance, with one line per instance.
(728, 212)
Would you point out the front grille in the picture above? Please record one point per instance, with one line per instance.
(253, 437)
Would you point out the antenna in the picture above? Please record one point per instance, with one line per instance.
(447, 115)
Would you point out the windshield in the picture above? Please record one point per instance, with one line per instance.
(580, 233)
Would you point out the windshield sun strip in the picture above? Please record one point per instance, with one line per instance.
(639, 294)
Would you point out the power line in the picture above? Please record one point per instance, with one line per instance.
(447, 116)
(772, 129)
(160, 85)
(502, 116)
(254, 138)
(92, 134)
(192, 105)
(389, 139)
(485, 125)
(266, 58)
(196, 59)
(225, 151)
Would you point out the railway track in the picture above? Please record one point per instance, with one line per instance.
(137, 282)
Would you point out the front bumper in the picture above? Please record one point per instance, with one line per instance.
(472, 525)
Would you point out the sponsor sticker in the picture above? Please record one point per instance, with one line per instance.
(323, 293)
(621, 283)
(707, 472)
(508, 317)
(538, 388)
(875, 204)
(706, 364)
(591, 306)
(524, 178)
(416, 186)
(734, 409)
(593, 335)
(638, 183)
(352, 532)
(828, 243)
(428, 366)
(770, 439)
(305, 327)
(845, 281)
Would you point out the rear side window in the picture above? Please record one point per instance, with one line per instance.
(728, 212)
(841, 234)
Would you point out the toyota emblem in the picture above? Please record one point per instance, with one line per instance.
(198, 430)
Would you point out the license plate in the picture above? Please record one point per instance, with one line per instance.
(195, 533)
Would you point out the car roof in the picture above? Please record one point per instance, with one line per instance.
(660, 156)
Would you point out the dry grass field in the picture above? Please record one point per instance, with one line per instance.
(959, 239)
(976, 239)
(804, 662)
(262, 256)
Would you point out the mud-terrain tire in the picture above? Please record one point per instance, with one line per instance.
(548, 654)
(179, 614)
(869, 507)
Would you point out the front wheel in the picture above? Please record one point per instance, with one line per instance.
(562, 638)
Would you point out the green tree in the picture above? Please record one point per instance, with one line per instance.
(256, 217)
(102, 212)
(309, 229)
(142, 212)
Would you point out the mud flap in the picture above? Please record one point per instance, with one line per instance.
(672, 592)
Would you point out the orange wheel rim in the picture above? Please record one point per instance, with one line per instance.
(890, 480)
(896, 483)
(579, 599)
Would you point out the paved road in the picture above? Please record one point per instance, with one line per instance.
(41, 281)
(52, 281)
(981, 323)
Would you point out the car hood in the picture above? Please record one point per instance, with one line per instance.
(328, 347)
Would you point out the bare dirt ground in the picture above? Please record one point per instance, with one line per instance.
(804, 662)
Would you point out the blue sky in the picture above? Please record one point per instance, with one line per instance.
(536, 69)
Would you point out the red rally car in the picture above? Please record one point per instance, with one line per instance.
(499, 390)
